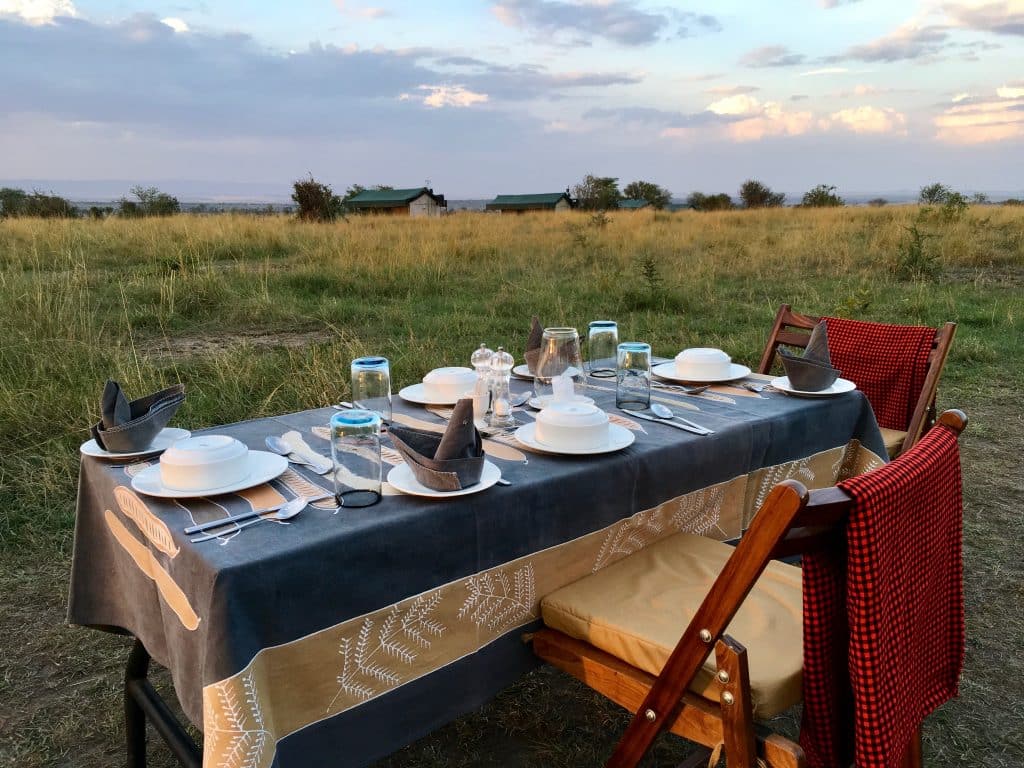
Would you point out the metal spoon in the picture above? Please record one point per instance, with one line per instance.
(663, 412)
(682, 388)
(286, 512)
(280, 447)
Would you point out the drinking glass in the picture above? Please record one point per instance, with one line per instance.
(559, 355)
(371, 386)
(602, 343)
(355, 449)
(633, 376)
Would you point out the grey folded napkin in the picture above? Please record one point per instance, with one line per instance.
(448, 462)
(126, 427)
(812, 371)
(533, 344)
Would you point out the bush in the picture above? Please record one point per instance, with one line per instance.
(914, 261)
(316, 201)
(1013, 201)
(877, 202)
(754, 194)
(698, 201)
(657, 196)
(934, 194)
(597, 193)
(16, 202)
(822, 196)
(149, 201)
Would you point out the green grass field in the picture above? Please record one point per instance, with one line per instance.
(259, 316)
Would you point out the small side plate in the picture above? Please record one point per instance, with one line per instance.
(618, 438)
(402, 479)
(839, 387)
(168, 436)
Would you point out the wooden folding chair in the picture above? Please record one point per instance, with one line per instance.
(720, 710)
(790, 328)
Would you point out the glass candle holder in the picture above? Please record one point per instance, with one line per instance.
(602, 345)
(633, 376)
(371, 385)
(559, 355)
(355, 449)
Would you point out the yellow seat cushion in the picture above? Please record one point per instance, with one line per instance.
(893, 440)
(637, 608)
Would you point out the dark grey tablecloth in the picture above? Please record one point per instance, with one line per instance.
(341, 637)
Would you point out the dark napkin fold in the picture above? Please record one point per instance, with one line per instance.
(127, 427)
(812, 371)
(533, 344)
(447, 462)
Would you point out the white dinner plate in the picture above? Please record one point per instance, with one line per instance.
(263, 467)
(540, 403)
(167, 437)
(618, 438)
(839, 387)
(668, 371)
(416, 394)
(402, 479)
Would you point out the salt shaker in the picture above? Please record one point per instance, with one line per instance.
(481, 361)
(501, 404)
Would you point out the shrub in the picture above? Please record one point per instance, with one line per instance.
(754, 194)
(914, 261)
(934, 194)
(597, 193)
(877, 202)
(980, 198)
(16, 202)
(822, 196)
(149, 201)
(316, 201)
(698, 201)
(1013, 201)
(657, 196)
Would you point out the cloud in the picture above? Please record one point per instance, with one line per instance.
(837, 3)
(964, 96)
(1001, 18)
(771, 56)
(1012, 91)
(824, 71)
(740, 104)
(731, 90)
(911, 42)
(38, 11)
(449, 96)
(770, 119)
(178, 25)
(360, 12)
(616, 20)
(881, 120)
(981, 122)
(799, 97)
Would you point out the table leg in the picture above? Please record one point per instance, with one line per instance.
(142, 703)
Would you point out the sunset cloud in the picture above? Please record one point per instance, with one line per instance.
(438, 96)
(867, 119)
(985, 121)
(37, 11)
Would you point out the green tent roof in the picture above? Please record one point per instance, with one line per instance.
(634, 204)
(389, 198)
(524, 202)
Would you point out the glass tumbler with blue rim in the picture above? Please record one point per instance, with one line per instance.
(371, 385)
(633, 376)
(355, 449)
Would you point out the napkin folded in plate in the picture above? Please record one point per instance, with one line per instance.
(812, 371)
(447, 462)
(533, 344)
(126, 427)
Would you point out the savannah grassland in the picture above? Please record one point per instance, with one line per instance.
(259, 316)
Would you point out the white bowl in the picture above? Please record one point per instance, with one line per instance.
(206, 461)
(703, 363)
(572, 426)
(449, 383)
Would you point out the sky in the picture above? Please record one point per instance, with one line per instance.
(515, 96)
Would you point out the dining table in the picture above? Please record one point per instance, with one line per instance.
(342, 635)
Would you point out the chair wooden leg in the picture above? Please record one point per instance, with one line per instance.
(737, 709)
(912, 757)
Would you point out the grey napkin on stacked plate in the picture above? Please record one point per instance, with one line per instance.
(813, 371)
(533, 344)
(447, 462)
(128, 427)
